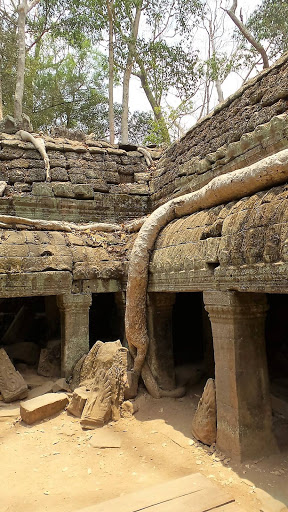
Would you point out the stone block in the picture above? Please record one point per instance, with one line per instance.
(42, 407)
(12, 385)
(42, 189)
(78, 401)
(47, 387)
(83, 191)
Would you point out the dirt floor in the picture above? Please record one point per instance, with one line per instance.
(52, 466)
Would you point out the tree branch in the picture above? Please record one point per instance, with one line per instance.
(247, 34)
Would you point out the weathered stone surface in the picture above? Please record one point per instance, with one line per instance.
(12, 385)
(50, 359)
(25, 351)
(42, 407)
(78, 401)
(204, 420)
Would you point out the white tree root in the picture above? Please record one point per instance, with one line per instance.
(268, 172)
(39, 144)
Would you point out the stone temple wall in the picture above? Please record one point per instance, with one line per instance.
(236, 134)
(90, 182)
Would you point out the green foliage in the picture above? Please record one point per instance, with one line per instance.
(269, 23)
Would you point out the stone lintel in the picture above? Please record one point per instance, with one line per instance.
(244, 417)
(35, 283)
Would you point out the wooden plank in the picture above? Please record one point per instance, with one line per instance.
(166, 493)
(230, 507)
(199, 501)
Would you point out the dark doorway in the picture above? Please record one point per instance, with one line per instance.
(277, 360)
(27, 326)
(104, 320)
(192, 338)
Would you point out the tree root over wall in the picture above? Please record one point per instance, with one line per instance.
(266, 173)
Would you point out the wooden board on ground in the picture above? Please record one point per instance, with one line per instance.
(193, 493)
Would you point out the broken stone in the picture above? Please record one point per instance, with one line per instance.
(60, 385)
(12, 385)
(78, 402)
(50, 359)
(42, 407)
(103, 438)
(204, 421)
(24, 351)
(100, 356)
(128, 409)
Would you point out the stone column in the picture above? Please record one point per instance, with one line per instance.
(160, 351)
(74, 309)
(244, 418)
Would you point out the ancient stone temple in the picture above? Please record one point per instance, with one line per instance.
(218, 281)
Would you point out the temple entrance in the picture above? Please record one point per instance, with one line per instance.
(192, 340)
(104, 319)
(30, 334)
(277, 359)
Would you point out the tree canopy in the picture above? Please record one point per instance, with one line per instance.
(67, 66)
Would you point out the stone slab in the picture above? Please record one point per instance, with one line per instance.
(103, 438)
(47, 387)
(42, 407)
(193, 493)
(12, 385)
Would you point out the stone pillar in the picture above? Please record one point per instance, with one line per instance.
(160, 351)
(244, 418)
(74, 309)
(120, 300)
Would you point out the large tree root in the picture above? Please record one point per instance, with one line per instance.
(39, 144)
(268, 172)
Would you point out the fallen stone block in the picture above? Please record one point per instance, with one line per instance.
(78, 402)
(12, 385)
(47, 387)
(42, 407)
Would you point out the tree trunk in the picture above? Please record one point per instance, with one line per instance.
(157, 111)
(127, 74)
(111, 72)
(217, 81)
(247, 34)
(234, 185)
(19, 90)
(23, 10)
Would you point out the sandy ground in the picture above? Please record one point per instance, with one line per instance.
(51, 465)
